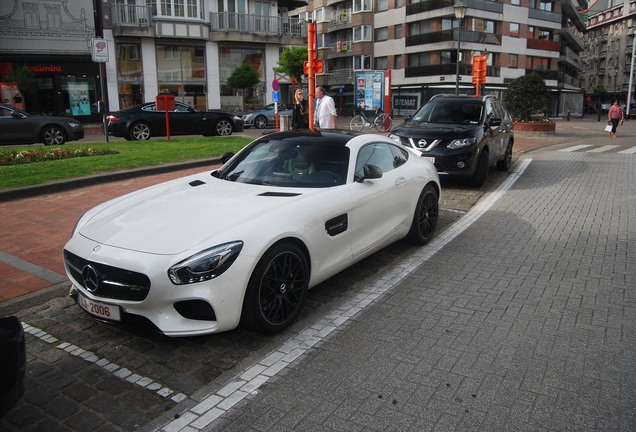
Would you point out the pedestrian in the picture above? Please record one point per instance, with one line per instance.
(300, 114)
(614, 115)
(325, 110)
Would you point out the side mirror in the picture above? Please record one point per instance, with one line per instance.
(226, 157)
(370, 172)
(495, 122)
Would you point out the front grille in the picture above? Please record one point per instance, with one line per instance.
(114, 283)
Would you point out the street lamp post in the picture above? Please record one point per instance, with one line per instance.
(460, 13)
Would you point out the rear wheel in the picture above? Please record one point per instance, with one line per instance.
(223, 127)
(356, 123)
(53, 135)
(506, 162)
(481, 173)
(383, 123)
(277, 289)
(260, 122)
(139, 131)
(425, 217)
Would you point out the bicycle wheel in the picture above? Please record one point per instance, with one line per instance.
(357, 123)
(383, 123)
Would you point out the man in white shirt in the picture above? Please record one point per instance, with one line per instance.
(325, 110)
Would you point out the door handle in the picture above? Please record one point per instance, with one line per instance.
(400, 181)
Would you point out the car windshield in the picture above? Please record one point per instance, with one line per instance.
(289, 163)
(453, 112)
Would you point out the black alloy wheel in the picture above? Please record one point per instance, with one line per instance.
(425, 217)
(506, 162)
(481, 173)
(277, 289)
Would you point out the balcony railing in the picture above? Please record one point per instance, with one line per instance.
(341, 76)
(543, 44)
(447, 69)
(247, 23)
(451, 35)
(132, 15)
(340, 49)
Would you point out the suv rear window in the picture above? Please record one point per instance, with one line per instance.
(454, 112)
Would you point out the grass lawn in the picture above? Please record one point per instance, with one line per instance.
(130, 155)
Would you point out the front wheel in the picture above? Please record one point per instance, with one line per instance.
(277, 289)
(357, 123)
(139, 132)
(425, 217)
(482, 170)
(506, 162)
(53, 135)
(383, 123)
(260, 122)
(223, 127)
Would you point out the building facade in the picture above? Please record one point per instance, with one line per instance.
(418, 42)
(608, 60)
(52, 40)
(189, 48)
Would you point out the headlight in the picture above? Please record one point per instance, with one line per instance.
(74, 124)
(206, 264)
(394, 137)
(237, 118)
(462, 142)
(247, 116)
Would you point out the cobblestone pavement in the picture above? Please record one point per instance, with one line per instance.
(522, 322)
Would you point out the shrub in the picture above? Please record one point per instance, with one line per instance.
(15, 157)
(526, 95)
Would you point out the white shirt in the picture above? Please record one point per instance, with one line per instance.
(325, 109)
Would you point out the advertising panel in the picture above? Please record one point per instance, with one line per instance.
(79, 99)
(369, 90)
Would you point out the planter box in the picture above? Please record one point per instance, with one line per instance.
(539, 127)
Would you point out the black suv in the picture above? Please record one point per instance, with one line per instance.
(462, 135)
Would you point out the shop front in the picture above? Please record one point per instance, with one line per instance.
(67, 86)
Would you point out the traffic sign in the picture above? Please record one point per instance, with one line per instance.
(275, 85)
(276, 96)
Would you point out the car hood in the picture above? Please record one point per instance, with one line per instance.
(176, 216)
(438, 131)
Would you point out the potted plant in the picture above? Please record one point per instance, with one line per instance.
(527, 98)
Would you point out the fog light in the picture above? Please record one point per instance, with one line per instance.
(461, 165)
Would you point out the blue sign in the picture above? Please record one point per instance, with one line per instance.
(276, 96)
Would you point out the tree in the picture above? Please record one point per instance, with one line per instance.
(24, 79)
(526, 95)
(292, 61)
(243, 77)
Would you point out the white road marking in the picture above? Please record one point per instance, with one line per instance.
(602, 149)
(575, 148)
(628, 151)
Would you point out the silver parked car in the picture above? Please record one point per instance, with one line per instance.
(264, 118)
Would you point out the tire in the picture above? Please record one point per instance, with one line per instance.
(356, 123)
(425, 217)
(383, 123)
(53, 135)
(506, 162)
(223, 127)
(277, 289)
(139, 131)
(481, 173)
(260, 122)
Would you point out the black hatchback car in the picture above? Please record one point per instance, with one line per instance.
(141, 122)
(462, 135)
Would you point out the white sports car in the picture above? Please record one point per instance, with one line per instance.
(244, 243)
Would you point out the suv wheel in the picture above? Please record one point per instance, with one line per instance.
(482, 170)
(506, 162)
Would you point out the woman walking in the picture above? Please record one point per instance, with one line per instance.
(614, 115)
(300, 114)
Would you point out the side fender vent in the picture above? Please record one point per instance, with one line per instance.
(197, 183)
(337, 225)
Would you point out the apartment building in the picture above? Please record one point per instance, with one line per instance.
(418, 42)
(608, 59)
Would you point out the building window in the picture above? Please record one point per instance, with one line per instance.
(382, 5)
(482, 26)
(381, 34)
(362, 33)
(177, 8)
(362, 62)
(398, 31)
(181, 72)
(129, 75)
(320, 15)
(538, 33)
(513, 60)
(449, 24)
(381, 63)
(361, 5)
(515, 2)
(514, 29)
(419, 59)
(397, 62)
(545, 5)
(418, 27)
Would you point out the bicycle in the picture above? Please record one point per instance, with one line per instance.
(382, 122)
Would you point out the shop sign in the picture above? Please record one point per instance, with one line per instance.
(99, 50)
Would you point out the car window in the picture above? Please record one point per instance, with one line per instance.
(289, 164)
(384, 156)
(4, 112)
(490, 110)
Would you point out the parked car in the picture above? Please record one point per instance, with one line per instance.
(462, 135)
(244, 243)
(632, 111)
(141, 122)
(20, 127)
(266, 117)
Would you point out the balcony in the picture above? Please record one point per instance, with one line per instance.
(543, 45)
(570, 58)
(132, 20)
(341, 76)
(447, 69)
(451, 36)
(427, 6)
(545, 74)
(569, 35)
(226, 26)
(340, 49)
(342, 21)
(542, 15)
